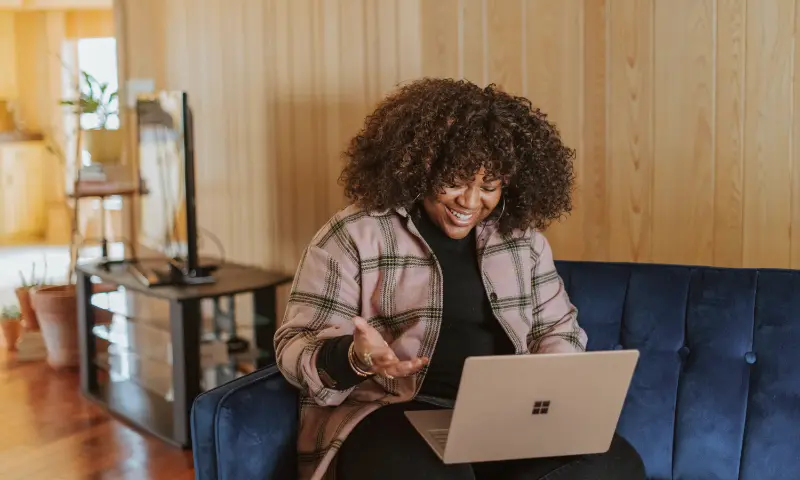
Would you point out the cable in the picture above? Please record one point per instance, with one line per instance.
(217, 242)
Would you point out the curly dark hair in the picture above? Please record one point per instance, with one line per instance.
(432, 132)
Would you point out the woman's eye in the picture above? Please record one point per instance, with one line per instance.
(489, 189)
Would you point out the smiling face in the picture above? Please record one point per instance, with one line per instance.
(459, 208)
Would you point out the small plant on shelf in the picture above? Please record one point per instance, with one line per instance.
(94, 98)
(97, 101)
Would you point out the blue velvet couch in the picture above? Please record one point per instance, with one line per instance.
(716, 394)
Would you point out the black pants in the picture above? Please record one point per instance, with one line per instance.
(384, 446)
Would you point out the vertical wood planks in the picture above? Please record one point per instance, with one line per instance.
(630, 135)
(683, 132)
(594, 161)
(683, 112)
(505, 27)
(795, 145)
(768, 127)
(332, 98)
(473, 41)
(287, 216)
(440, 37)
(729, 133)
(553, 63)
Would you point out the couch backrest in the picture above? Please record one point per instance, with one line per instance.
(716, 394)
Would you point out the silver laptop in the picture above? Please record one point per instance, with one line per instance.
(530, 406)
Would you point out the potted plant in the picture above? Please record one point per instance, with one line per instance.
(94, 97)
(10, 323)
(57, 312)
(23, 293)
(51, 313)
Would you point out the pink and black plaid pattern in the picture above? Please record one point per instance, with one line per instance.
(376, 265)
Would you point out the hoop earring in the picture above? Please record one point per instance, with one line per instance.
(502, 211)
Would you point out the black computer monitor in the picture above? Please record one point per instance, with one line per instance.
(168, 208)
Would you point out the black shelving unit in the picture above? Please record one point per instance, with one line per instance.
(166, 414)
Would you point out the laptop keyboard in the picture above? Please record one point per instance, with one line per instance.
(439, 436)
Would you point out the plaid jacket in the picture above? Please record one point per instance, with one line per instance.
(376, 265)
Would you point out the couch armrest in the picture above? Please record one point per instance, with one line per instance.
(246, 428)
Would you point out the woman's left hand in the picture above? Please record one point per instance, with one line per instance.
(404, 368)
(384, 361)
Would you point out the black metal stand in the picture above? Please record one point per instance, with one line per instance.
(169, 419)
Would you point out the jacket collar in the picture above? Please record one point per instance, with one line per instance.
(487, 231)
(388, 211)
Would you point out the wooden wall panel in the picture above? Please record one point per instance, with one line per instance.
(473, 58)
(32, 58)
(729, 133)
(505, 23)
(441, 36)
(553, 76)
(684, 155)
(594, 151)
(630, 131)
(768, 133)
(683, 112)
(795, 145)
(277, 88)
(683, 132)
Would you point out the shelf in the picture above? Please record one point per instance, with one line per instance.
(147, 341)
(133, 306)
(137, 405)
(141, 308)
(129, 360)
(141, 339)
(155, 377)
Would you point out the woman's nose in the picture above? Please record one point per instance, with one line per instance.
(470, 198)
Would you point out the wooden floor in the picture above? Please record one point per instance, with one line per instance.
(48, 431)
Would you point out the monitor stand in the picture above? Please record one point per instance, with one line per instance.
(172, 275)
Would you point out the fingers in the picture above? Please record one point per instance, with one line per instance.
(383, 357)
(367, 332)
(405, 368)
(368, 339)
(361, 325)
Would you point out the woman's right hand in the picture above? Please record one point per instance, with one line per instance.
(384, 362)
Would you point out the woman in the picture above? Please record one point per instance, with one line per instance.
(438, 258)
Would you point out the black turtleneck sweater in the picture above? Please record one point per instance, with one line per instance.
(469, 328)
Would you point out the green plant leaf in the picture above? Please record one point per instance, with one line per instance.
(89, 105)
(90, 80)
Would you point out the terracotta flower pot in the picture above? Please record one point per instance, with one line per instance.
(11, 330)
(29, 320)
(57, 312)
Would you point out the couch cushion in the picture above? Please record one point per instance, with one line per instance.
(246, 428)
(716, 392)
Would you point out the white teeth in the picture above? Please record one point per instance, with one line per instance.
(458, 215)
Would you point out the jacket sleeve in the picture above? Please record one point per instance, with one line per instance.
(555, 318)
(325, 297)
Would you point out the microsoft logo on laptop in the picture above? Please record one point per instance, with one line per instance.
(541, 407)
